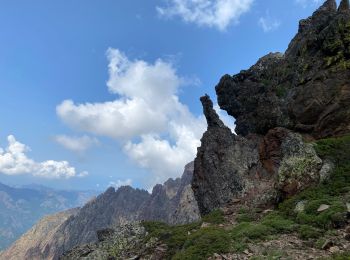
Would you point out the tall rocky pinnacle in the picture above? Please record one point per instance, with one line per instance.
(279, 101)
(306, 89)
(212, 117)
(344, 5)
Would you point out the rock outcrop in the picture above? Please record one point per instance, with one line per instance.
(307, 89)
(173, 202)
(123, 242)
(277, 103)
(253, 170)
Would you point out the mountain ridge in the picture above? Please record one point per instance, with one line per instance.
(172, 202)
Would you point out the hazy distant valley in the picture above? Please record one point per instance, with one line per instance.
(21, 208)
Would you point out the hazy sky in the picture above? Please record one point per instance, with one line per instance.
(97, 93)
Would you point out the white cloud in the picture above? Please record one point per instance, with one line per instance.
(119, 183)
(83, 174)
(14, 161)
(156, 130)
(268, 23)
(211, 13)
(306, 3)
(76, 144)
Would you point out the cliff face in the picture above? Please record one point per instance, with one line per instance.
(278, 102)
(306, 89)
(173, 202)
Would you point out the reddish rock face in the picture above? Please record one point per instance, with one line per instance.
(270, 149)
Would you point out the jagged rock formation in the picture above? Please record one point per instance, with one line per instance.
(304, 91)
(253, 170)
(172, 202)
(38, 238)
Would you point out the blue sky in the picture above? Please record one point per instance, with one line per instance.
(98, 93)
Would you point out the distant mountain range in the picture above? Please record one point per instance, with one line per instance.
(22, 207)
(172, 202)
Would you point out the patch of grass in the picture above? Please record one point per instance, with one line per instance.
(191, 241)
(251, 231)
(341, 256)
(338, 256)
(279, 223)
(204, 243)
(246, 215)
(306, 232)
(215, 217)
(327, 219)
(174, 236)
(320, 242)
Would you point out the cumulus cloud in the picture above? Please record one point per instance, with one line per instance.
(156, 130)
(212, 13)
(119, 183)
(76, 144)
(268, 24)
(14, 161)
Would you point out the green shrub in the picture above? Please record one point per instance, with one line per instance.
(251, 231)
(245, 217)
(306, 232)
(215, 217)
(173, 236)
(320, 242)
(279, 223)
(341, 256)
(204, 243)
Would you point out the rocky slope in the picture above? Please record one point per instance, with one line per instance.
(281, 101)
(21, 208)
(38, 237)
(172, 202)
